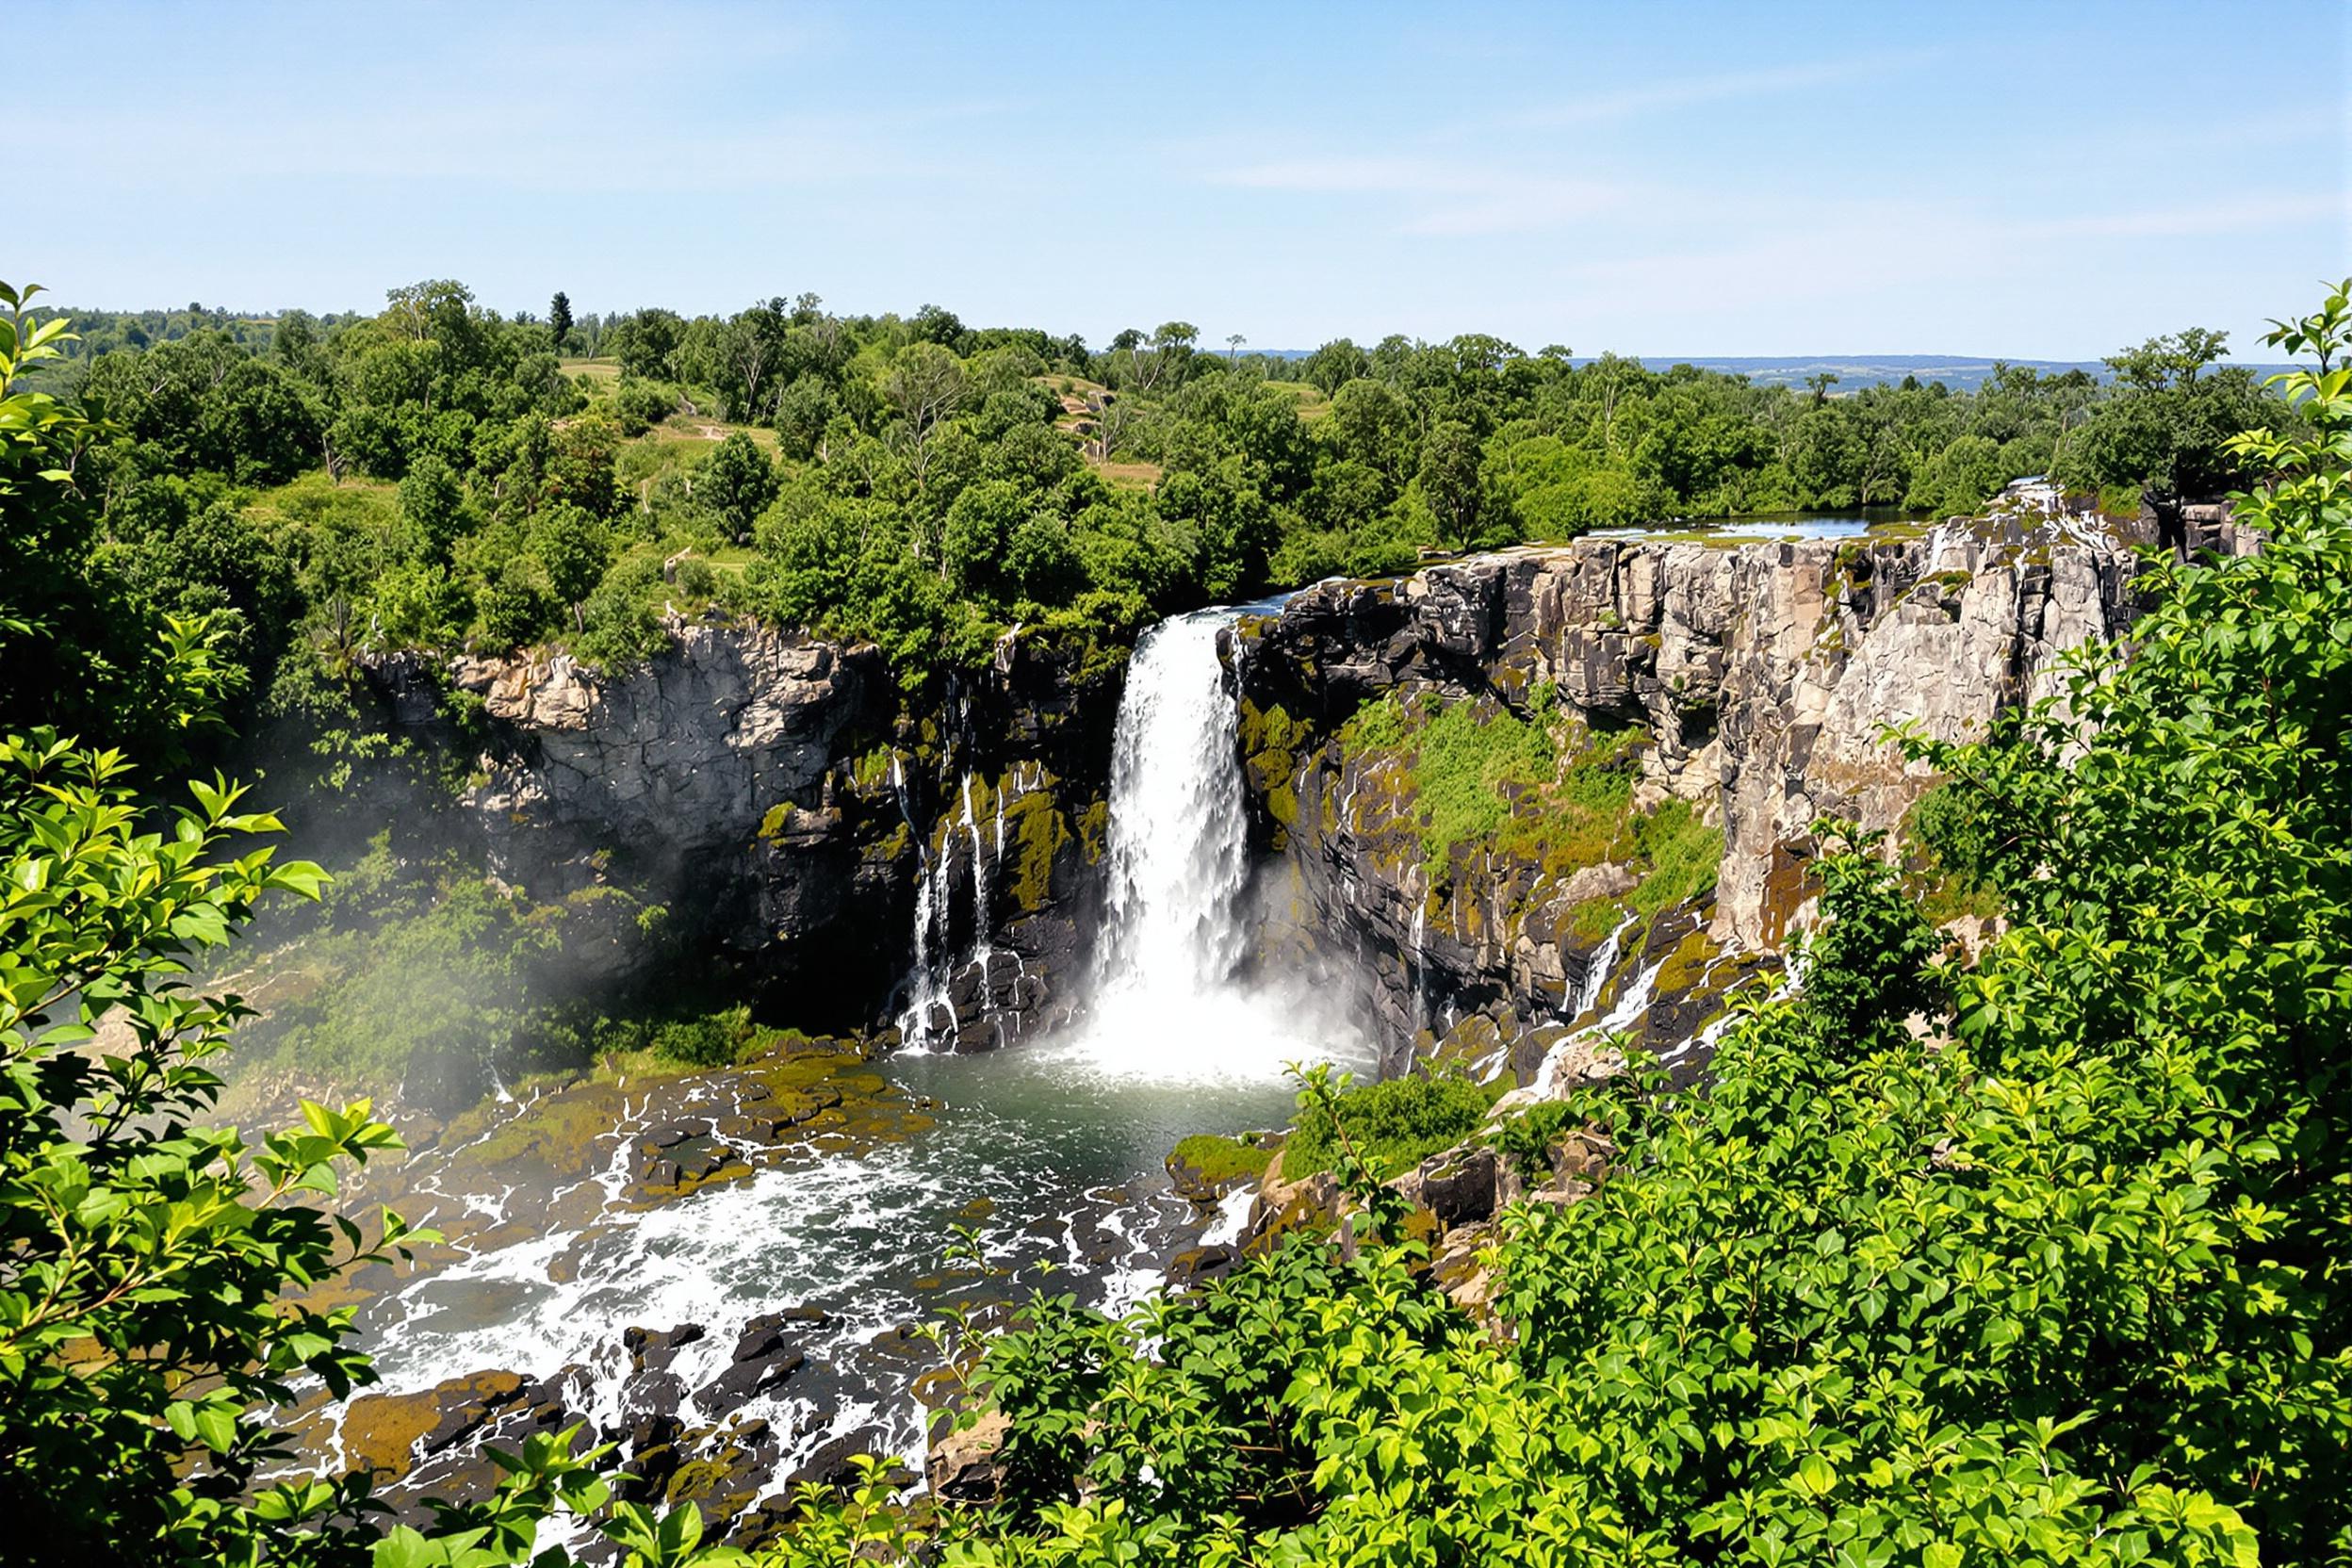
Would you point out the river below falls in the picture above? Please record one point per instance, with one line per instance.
(1040, 1167)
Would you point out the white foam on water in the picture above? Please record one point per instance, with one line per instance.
(1231, 1215)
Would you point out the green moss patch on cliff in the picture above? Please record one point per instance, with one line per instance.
(1545, 790)
(1271, 740)
(1039, 829)
(1683, 855)
(1943, 844)
(1094, 831)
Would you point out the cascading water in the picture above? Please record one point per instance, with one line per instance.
(1596, 969)
(1167, 1004)
(921, 1025)
(1178, 836)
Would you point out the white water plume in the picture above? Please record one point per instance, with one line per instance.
(1167, 1003)
(1178, 837)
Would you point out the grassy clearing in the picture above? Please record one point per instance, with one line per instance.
(1129, 476)
(703, 430)
(1313, 404)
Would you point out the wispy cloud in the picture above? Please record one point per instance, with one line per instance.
(1440, 196)
(1583, 108)
(2254, 212)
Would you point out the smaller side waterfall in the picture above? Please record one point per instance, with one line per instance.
(1596, 969)
(928, 1020)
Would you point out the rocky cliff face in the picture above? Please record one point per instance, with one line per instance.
(1760, 678)
(798, 822)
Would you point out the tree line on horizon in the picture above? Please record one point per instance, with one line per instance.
(439, 475)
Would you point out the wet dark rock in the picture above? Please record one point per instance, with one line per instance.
(1458, 1186)
(832, 1465)
(651, 1431)
(432, 1442)
(652, 1349)
(775, 795)
(762, 1361)
(1196, 1266)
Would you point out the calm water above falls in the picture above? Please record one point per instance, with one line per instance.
(1766, 525)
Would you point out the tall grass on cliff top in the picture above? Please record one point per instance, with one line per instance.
(2062, 1281)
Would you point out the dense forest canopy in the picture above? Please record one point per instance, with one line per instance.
(439, 475)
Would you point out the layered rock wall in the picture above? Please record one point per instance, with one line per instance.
(1763, 677)
(791, 809)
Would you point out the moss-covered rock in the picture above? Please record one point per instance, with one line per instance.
(1207, 1166)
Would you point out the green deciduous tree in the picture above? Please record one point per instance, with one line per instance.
(737, 483)
(1448, 476)
(575, 549)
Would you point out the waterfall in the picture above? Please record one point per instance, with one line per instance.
(980, 907)
(1166, 1000)
(935, 919)
(1417, 971)
(1596, 969)
(1178, 838)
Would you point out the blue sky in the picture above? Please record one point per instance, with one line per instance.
(2047, 181)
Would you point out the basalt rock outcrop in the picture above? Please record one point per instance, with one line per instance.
(1761, 680)
(728, 1421)
(791, 813)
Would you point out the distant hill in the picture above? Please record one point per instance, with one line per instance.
(1961, 372)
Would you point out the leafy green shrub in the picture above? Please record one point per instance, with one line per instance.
(1393, 1125)
(622, 630)
(696, 578)
(1952, 844)
(715, 1040)
(639, 404)
(154, 1266)
(1526, 1139)
(1217, 1159)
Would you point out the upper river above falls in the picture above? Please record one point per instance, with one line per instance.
(1767, 525)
